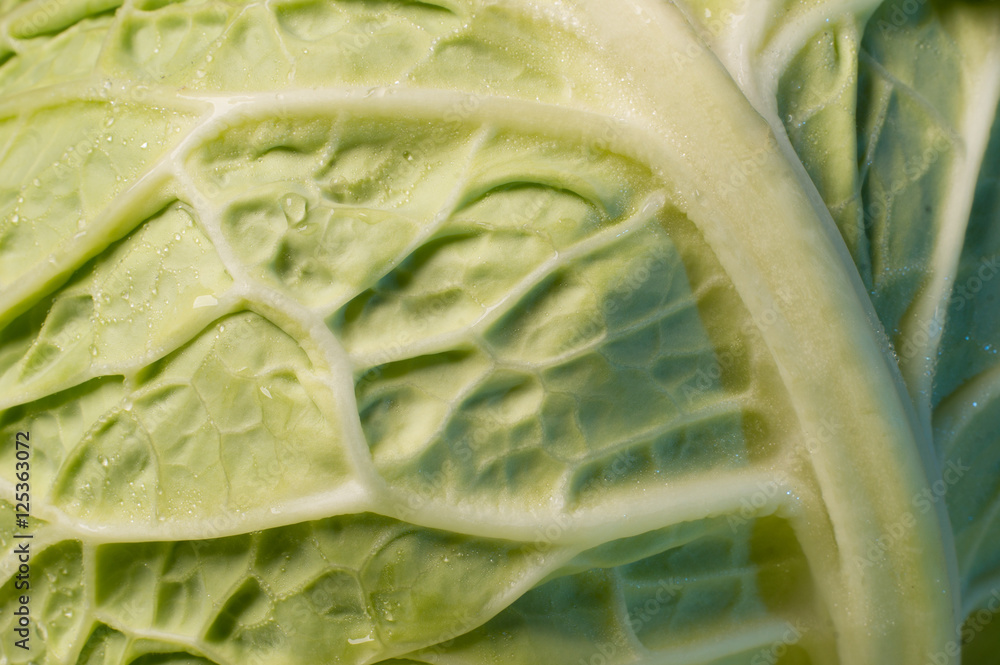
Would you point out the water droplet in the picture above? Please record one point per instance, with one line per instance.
(295, 207)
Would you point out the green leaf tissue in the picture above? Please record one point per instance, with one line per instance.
(474, 332)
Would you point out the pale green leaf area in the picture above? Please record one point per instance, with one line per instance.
(469, 332)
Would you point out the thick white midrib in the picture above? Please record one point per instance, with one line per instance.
(768, 111)
(741, 54)
(736, 50)
(272, 96)
(829, 333)
(757, 66)
(647, 211)
(925, 318)
(735, 47)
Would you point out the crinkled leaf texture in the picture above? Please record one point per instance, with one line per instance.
(461, 332)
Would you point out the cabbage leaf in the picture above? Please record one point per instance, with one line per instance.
(460, 332)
